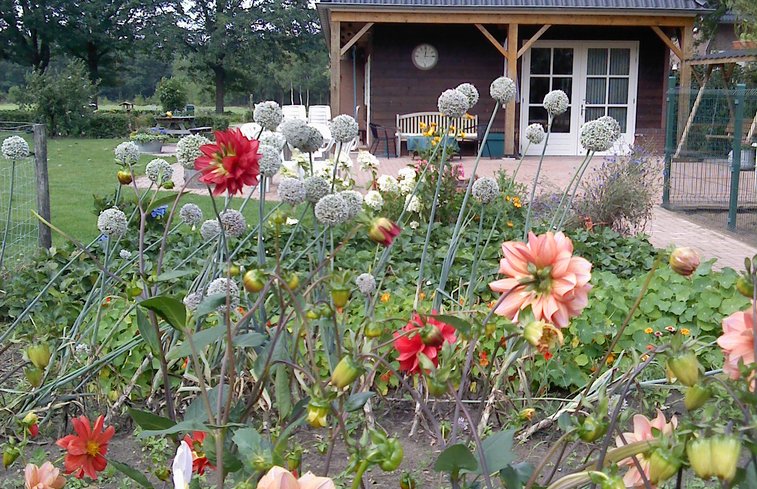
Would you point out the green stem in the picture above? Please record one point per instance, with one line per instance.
(103, 277)
(359, 474)
(575, 189)
(8, 218)
(554, 221)
(527, 227)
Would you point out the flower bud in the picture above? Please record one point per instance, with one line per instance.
(685, 367)
(662, 466)
(725, 455)
(614, 482)
(318, 411)
(436, 387)
(373, 330)
(39, 355)
(33, 430)
(696, 396)
(340, 296)
(699, 452)
(526, 414)
(10, 454)
(592, 429)
(168, 185)
(254, 281)
(533, 332)
(33, 375)
(30, 419)
(383, 231)
(684, 261)
(745, 286)
(345, 372)
(431, 336)
(162, 473)
(407, 481)
(124, 177)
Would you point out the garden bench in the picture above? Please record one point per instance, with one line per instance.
(409, 125)
(201, 130)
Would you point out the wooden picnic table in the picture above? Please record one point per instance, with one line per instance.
(178, 125)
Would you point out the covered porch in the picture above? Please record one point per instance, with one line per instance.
(610, 62)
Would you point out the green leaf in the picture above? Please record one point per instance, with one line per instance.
(357, 401)
(163, 201)
(185, 426)
(283, 392)
(249, 340)
(200, 339)
(454, 459)
(582, 360)
(498, 450)
(148, 333)
(210, 304)
(173, 275)
(457, 323)
(132, 474)
(516, 476)
(172, 310)
(149, 421)
(247, 441)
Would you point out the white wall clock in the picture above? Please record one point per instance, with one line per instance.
(425, 56)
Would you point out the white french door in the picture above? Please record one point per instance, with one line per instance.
(599, 77)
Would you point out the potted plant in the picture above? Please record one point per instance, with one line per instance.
(148, 141)
(747, 37)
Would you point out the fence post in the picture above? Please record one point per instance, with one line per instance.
(43, 184)
(670, 143)
(738, 130)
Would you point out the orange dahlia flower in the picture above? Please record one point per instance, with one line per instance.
(543, 274)
(230, 163)
(421, 336)
(45, 477)
(737, 341)
(644, 429)
(87, 448)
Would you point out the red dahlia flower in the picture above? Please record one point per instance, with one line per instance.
(383, 231)
(87, 448)
(419, 337)
(199, 460)
(230, 163)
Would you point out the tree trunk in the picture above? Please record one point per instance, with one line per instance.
(220, 88)
(93, 64)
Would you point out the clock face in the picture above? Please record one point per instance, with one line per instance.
(425, 56)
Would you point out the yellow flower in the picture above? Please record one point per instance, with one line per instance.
(423, 125)
(610, 359)
(507, 198)
(644, 357)
(649, 331)
(422, 295)
(385, 297)
(685, 331)
(462, 135)
(452, 128)
(575, 342)
(509, 224)
(468, 116)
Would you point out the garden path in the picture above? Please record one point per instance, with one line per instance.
(665, 229)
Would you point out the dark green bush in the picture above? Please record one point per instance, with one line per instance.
(172, 94)
(107, 125)
(217, 122)
(17, 115)
(609, 251)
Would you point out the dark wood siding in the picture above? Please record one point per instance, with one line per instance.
(398, 87)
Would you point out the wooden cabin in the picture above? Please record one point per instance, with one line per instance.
(611, 57)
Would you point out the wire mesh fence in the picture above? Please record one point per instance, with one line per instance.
(19, 229)
(710, 157)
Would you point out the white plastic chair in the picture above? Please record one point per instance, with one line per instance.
(319, 114)
(295, 112)
(250, 130)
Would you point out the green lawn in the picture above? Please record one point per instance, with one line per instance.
(82, 168)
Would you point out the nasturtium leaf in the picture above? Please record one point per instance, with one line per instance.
(455, 458)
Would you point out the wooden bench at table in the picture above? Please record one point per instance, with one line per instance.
(409, 125)
(201, 130)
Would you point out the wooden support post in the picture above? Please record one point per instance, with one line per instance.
(493, 40)
(43, 184)
(668, 42)
(684, 99)
(533, 39)
(512, 72)
(335, 59)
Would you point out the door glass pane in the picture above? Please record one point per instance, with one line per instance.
(538, 88)
(564, 84)
(537, 114)
(595, 90)
(563, 62)
(620, 61)
(618, 90)
(597, 62)
(540, 58)
(561, 123)
(620, 114)
(593, 113)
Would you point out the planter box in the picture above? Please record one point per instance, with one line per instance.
(152, 147)
(744, 44)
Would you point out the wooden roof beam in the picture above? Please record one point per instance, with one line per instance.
(488, 35)
(355, 38)
(533, 39)
(668, 42)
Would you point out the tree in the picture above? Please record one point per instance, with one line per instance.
(26, 31)
(102, 32)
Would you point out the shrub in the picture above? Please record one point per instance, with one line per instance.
(146, 136)
(17, 115)
(172, 94)
(610, 251)
(61, 99)
(620, 194)
(107, 125)
(217, 122)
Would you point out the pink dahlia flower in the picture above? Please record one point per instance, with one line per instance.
(543, 274)
(737, 341)
(644, 430)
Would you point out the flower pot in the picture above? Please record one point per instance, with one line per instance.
(152, 147)
(739, 44)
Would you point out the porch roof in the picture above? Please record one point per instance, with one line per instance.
(657, 6)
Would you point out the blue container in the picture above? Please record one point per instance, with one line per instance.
(494, 147)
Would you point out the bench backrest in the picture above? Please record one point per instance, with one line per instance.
(295, 112)
(319, 114)
(411, 123)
